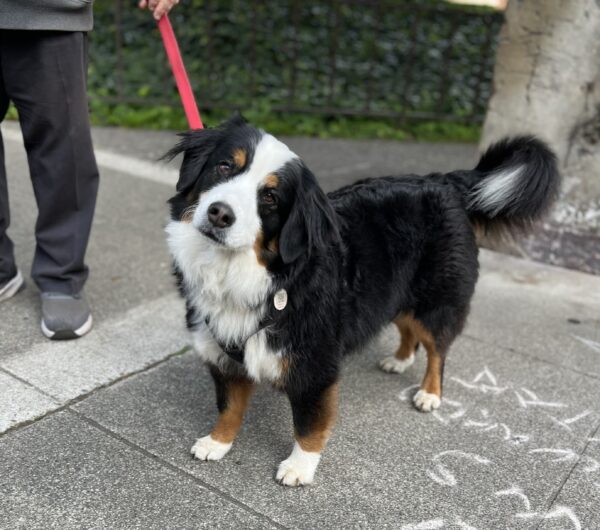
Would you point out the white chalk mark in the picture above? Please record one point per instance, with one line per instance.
(490, 428)
(460, 411)
(461, 524)
(432, 524)
(588, 342)
(484, 426)
(484, 382)
(481, 387)
(406, 394)
(534, 401)
(577, 418)
(472, 423)
(518, 492)
(564, 511)
(463, 454)
(439, 417)
(592, 466)
(442, 475)
(516, 438)
(566, 423)
(507, 433)
(565, 455)
(455, 415)
(487, 374)
(594, 440)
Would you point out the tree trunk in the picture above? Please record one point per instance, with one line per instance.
(547, 82)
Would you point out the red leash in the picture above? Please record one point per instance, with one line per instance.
(181, 77)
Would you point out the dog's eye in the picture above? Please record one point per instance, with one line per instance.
(268, 197)
(224, 167)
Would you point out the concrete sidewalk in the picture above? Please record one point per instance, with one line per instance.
(96, 433)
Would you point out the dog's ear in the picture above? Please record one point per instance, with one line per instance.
(312, 224)
(196, 146)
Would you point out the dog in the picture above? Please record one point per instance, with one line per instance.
(281, 280)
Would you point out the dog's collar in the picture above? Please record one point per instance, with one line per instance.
(236, 351)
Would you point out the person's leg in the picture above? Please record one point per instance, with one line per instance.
(8, 269)
(45, 76)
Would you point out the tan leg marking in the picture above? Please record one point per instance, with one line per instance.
(321, 428)
(409, 340)
(432, 382)
(230, 420)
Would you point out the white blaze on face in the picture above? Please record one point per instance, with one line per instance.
(240, 194)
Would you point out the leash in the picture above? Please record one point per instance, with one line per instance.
(181, 77)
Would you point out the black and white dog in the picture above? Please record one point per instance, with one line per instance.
(281, 280)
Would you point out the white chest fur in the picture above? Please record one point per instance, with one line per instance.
(229, 288)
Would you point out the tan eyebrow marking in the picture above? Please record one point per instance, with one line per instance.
(240, 157)
(271, 180)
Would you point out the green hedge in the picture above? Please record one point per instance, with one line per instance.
(268, 58)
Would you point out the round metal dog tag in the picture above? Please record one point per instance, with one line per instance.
(280, 299)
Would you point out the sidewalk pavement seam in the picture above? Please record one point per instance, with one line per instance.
(174, 468)
(529, 356)
(25, 382)
(593, 434)
(74, 401)
(153, 171)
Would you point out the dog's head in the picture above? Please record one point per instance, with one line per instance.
(241, 188)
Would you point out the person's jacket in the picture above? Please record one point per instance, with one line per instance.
(57, 15)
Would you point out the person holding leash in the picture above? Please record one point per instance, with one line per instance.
(43, 71)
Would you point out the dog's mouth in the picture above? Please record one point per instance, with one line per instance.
(209, 234)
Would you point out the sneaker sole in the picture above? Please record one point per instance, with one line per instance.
(67, 334)
(12, 287)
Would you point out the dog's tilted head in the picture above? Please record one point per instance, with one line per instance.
(241, 189)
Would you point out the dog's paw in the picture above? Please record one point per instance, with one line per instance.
(299, 468)
(209, 449)
(426, 402)
(392, 364)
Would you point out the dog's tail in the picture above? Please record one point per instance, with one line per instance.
(514, 183)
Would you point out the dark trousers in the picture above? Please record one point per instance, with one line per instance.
(44, 74)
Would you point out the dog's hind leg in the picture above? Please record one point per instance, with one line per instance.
(314, 414)
(233, 395)
(405, 355)
(429, 396)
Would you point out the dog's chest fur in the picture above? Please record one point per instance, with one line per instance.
(228, 293)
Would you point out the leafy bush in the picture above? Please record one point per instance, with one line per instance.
(349, 68)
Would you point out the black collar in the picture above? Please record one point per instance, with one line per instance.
(236, 351)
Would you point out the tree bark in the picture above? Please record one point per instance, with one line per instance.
(547, 83)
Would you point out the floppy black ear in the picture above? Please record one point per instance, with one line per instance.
(196, 146)
(311, 224)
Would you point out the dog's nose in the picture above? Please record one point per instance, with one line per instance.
(220, 215)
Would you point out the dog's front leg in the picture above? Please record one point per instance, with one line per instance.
(314, 414)
(233, 395)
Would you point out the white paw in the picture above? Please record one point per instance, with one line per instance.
(208, 449)
(299, 468)
(426, 402)
(392, 364)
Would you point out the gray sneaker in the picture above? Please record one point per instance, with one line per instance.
(11, 287)
(65, 316)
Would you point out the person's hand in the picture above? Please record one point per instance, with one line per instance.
(158, 7)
